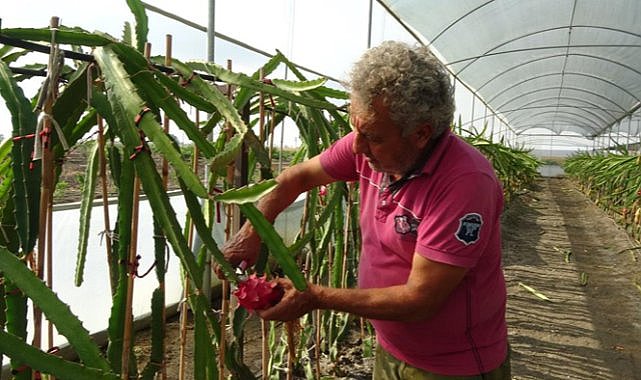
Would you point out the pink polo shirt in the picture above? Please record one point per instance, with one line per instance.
(450, 213)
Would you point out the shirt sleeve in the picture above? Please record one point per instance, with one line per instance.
(339, 160)
(461, 221)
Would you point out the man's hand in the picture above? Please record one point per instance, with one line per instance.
(293, 305)
(242, 249)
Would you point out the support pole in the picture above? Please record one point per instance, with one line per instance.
(211, 31)
(49, 94)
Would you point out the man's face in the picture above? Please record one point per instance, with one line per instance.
(382, 144)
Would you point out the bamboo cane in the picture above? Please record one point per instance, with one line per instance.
(229, 231)
(290, 327)
(346, 233)
(46, 187)
(165, 182)
(127, 336)
(186, 286)
(50, 266)
(264, 327)
(133, 247)
(317, 345)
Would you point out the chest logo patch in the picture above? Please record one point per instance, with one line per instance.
(405, 224)
(469, 228)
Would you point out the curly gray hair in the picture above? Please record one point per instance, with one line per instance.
(413, 84)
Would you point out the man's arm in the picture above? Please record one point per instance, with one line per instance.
(429, 284)
(245, 245)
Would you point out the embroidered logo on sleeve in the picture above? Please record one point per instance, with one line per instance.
(469, 228)
(404, 224)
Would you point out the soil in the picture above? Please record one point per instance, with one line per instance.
(557, 242)
(559, 246)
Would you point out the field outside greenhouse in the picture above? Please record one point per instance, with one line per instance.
(110, 225)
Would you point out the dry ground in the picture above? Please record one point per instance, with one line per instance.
(591, 326)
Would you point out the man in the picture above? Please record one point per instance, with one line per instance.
(430, 277)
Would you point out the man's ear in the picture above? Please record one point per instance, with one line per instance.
(422, 135)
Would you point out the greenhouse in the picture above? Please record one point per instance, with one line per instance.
(141, 141)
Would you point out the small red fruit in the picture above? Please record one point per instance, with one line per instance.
(256, 293)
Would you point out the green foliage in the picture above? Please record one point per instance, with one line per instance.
(613, 182)
(516, 168)
(61, 189)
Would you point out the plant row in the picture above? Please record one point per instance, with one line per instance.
(613, 182)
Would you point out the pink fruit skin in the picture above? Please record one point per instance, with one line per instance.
(256, 293)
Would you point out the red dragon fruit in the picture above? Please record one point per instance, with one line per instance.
(256, 293)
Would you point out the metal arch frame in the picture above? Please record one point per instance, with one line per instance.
(569, 127)
(489, 52)
(563, 119)
(578, 135)
(564, 74)
(628, 113)
(439, 34)
(498, 108)
(559, 105)
(521, 64)
(564, 114)
(530, 105)
(556, 109)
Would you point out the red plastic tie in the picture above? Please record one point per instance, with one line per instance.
(138, 149)
(142, 113)
(14, 292)
(32, 164)
(184, 82)
(25, 137)
(45, 134)
(20, 369)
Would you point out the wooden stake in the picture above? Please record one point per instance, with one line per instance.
(291, 328)
(186, 286)
(127, 336)
(264, 326)
(229, 231)
(46, 185)
(133, 248)
(165, 182)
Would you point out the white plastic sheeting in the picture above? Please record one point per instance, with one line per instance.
(562, 65)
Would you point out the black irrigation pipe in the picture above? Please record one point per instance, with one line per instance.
(71, 55)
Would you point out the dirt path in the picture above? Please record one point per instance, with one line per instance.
(558, 243)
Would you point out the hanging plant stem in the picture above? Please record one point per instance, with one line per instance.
(184, 309)
(264, 327)
(102, 172)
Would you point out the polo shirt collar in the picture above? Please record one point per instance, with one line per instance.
(428, 163)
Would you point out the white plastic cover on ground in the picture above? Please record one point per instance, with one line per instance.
(562, 65)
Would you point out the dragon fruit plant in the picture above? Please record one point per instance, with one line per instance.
(256, 293)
